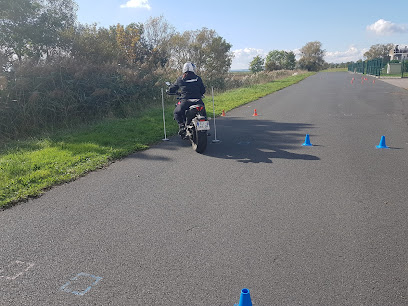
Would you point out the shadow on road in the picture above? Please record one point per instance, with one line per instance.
(259, 141)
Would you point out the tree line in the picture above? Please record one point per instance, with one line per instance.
(58, 72)
(44, 31)
(312, 59)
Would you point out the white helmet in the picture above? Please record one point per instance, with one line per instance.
(189, 66)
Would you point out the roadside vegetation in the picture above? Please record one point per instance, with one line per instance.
(75, 97)
(30, 166)
(335, 70)
(58, 73)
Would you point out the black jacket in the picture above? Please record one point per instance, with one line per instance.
(191, 87)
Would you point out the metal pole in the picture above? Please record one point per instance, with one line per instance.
(215, 127)
(164, 119)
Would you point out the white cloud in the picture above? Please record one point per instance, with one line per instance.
(137, 4)
(297, 53)
(242, 57)
(384, 27)
(352, 54)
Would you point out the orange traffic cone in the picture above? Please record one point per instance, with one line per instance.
(255, 113)
(223, 113)
(373, 81)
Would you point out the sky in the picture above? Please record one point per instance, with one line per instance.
(346, 29)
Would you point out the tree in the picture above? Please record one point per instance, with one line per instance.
(128, 40)
(379, 51)
(210, 52)
(17, 26)
(290, 60)
(257, 64)
(312, 56)
(3, 62)
(213, 54)
(95, 45)
(33, 27)
(55, 16)
(157, 35)
(277, 60)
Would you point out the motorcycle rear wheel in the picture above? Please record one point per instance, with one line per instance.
(199, 141)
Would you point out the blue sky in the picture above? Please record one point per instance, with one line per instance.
(345, 28)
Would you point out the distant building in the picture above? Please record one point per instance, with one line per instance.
(399, 53)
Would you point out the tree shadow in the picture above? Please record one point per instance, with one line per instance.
(258, 141)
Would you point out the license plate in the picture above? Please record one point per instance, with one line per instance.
(203, 125)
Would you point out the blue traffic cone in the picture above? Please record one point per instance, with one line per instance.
(307, 141)
(382, 144)
(245, 299)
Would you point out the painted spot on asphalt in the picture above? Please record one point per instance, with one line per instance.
(81, 284)
(15, 269)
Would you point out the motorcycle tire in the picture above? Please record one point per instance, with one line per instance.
(199, 141)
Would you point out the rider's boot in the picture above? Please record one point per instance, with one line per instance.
(182, 130)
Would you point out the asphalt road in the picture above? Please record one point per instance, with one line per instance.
(320, 225)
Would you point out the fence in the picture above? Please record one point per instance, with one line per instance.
(376, 67)
(357, 67)
(404, 68)
(372, 67)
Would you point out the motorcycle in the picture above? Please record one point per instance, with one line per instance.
(196, 124)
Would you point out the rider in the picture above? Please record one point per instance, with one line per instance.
(191, 87)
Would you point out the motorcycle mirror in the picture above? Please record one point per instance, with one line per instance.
(168, 83)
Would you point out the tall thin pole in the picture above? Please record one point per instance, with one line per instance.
(164, 119)
(215, 127)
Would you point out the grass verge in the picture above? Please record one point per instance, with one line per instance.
(335, 70)
(236, 97)
(394, 76)
(29, 167)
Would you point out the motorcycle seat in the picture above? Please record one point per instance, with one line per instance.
(195, 106)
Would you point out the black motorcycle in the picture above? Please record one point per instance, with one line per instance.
(196, 123)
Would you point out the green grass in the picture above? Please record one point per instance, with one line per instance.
(29, 167)
(236, 97)
(335, 70)
(399, 75)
